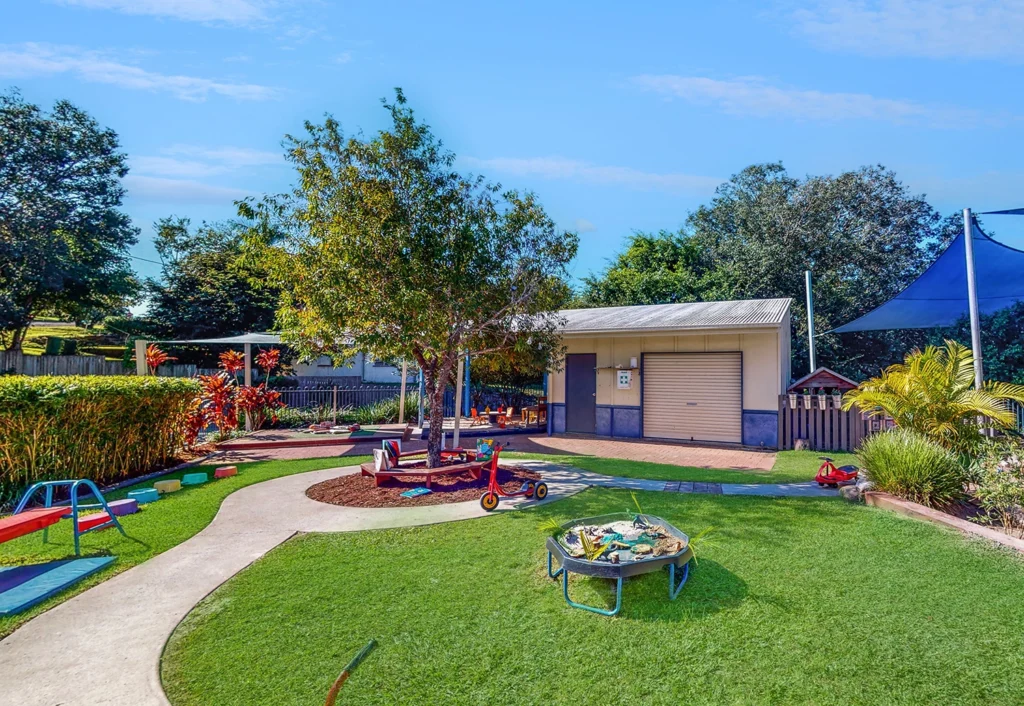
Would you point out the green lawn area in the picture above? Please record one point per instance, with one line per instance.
(790, 467)
(810, 601)
(157, 528)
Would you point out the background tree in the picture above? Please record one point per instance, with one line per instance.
(63, 238)
(384, 248)
(862, 233)
(509, 373)
(205, 289)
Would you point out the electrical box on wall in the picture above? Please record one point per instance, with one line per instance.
(624, 379)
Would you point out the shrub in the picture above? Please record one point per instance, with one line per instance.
(933, 393)
(104, 428)
(911, 466)
(999, 485)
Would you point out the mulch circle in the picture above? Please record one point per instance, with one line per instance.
(357, 490)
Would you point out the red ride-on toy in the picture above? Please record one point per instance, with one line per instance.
(831, 476)
(530, 489)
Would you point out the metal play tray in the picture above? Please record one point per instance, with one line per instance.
(633, 566)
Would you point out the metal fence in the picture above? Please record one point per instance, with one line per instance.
(1018, 416)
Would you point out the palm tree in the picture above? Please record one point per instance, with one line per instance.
(932, 392)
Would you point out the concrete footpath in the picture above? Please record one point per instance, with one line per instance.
(104, 645)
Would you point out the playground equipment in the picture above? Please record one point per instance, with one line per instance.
(618, 546)
(167, 486)
(41, 518)
(194, 479)
(831, 476)
(530, 489)
(145, 495)
(225, 472)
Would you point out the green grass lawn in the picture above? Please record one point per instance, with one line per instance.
(158, 527)
(809, 601)
(790, 467)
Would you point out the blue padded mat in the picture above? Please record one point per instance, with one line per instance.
(22, 587)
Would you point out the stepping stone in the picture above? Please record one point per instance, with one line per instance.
(146, 495)
(194, 478)
(167, 486)
(128, 506)
(225, 472)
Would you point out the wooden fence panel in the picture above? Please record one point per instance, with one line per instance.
(829, 429)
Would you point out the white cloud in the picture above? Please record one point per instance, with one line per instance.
(571, 169)
(158, 189)
(973, 29)
(754, 96)
(582, 225)
(32, 59)
(343, 58)
(240, 12)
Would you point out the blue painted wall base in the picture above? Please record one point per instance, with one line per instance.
(761, 428)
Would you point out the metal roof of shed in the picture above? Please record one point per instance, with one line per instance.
(747, 313)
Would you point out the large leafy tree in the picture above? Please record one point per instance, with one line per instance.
(63, 238)
(206, 288)
(383, 247)
(862, 234)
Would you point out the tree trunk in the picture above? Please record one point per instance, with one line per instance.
(17, 338)
(436, 425)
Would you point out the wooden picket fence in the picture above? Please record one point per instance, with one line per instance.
(829, 429)
(34, 365)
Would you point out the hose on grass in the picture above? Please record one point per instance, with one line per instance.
(332, 695)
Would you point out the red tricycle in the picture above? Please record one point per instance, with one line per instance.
(530, 489)
(831, 476)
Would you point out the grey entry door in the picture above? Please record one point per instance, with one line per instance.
(581, 392)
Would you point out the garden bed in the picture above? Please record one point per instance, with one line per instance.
(357, 490)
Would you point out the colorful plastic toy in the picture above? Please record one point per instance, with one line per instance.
(831, 476)
(167, 486)
(146, 495)
(128, 506)
(194, 479)
(225, 472)
(530, 489)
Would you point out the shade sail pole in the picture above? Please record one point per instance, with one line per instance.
(810, 321)
(401, 398)
(972, 300)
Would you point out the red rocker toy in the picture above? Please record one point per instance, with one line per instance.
(831, 476)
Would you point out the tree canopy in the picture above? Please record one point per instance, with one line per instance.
(63, 238)
(383, 247)
(206, 288)
(862, 234)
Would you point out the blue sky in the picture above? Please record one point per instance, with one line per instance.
(621, 116)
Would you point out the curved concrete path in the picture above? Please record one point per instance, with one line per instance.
(104, 645)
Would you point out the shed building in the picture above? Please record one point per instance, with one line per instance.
(705, 371)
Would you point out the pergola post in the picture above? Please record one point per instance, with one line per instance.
(248, 380)
(422, 401)
(140, 357)
(458, 404)
(401, 399)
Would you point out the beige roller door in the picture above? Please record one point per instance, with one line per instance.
(696, 396)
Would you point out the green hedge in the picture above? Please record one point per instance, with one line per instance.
(105, 428)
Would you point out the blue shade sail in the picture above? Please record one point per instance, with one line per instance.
(939, 296)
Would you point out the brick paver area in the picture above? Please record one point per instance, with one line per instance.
(655, 452)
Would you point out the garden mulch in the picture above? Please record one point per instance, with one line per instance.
(357, 490)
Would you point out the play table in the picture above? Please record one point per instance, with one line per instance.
(678, 561)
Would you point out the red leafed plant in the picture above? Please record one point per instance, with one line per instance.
(219, 399)
(197, 418)
(267, 360)
(232, 361)
(260, 402)
(156, 357)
